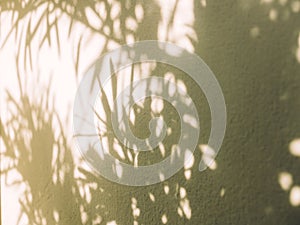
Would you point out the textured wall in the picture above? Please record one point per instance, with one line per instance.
(253, 48)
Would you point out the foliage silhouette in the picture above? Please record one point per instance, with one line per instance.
(254, 71)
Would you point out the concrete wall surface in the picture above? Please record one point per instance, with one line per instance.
(253, 49)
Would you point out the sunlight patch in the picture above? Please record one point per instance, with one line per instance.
(273, 14)
(166, 189)
(203, 3)
(295, 147)
(139, 12)
(188, 174)
(295, 5)
(285, 180)
(152, 197)
(295, 196)
(222, 192)
(182, 192)
(185, 206)
(164, 219)
(208, 157)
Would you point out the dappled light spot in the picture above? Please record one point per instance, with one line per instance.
(81, 191)
(285, 180)
(70, 8)
(192, 121)
(164, 219)
(188, 159)
(133, 201)
(130, 39)
(169, 77)
(117, 147)
(169, 131)
(56, 215)
(87, 193)
(152, 197)
(97, 220)
(182, 192)
(116, 28)
(222, 192)
(135, 158)
(146, 68)
(180, 212)
(93, 185)
(166, 189)
(135, 210)
(295, 6)
(131, 24)
(171, 90)
(208, 157)
(106, 30)
(172, 51)
(162, 149)
(115, 10)
(295, 196)
(254, 32)
(139, 12)
(181, 87)
(188, 174)
(161, 176)
(157, 105)
(273, 14)
(111, 223)
(118, 168)
(213, 165)
(83, 214)
(129, 155)
(185, 206)
(159, 125)
(93, 18)
(203, 3)
(295, 147)
(140, 103)
(158, 86)
(111, 45)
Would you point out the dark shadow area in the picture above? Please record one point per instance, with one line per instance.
(259, 75)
